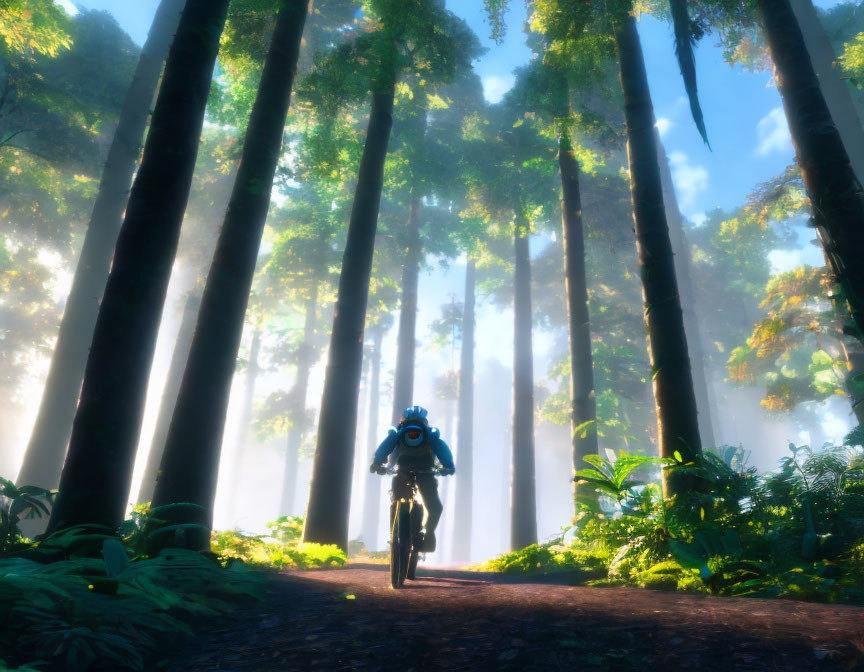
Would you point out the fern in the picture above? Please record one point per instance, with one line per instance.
(58, 613)
(612, 478)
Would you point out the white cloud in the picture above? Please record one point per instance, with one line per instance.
(773, 133)
(698, 218)
(690, 181)
(663, 125)
(495, 86)
(786, 260)
(71, 9)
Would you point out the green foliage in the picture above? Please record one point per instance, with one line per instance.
(496, 9)
(852, 60)
(613, 478)
(75, 615)
(795, 532)
(447, 329)
(282, 548)
(133, 530)
(16, 503)
(798, 350)
(34, 27)
(102, 601)
(530, 558)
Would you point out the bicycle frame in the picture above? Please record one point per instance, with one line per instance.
(406, 521)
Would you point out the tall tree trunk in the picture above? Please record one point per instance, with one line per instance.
(330, 490)
(674, 398)
(190, 464)
(372, 493)
(523, 504)
(583, 419)
(169, 394)
(298, 405)
(445, 534)
(834, 88)
(835, 193)
(43, 460)
(463, 512)
(307, 43)
(406, 341)
(242, 433)
(681, 252)
(94, 486)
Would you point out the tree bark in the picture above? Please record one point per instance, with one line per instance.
(406, 341)
(464, 509)
(330, 490)
(681, 252)
(445, 534)
(190, 464)
(834, 88)
(372, 493)
(298, 405)
(169, 394)
(94, 486)
(46, 449)
(674, 398)
(523, 507)
(835, 193)
(583, 419)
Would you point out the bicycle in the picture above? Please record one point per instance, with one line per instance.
(406, 521)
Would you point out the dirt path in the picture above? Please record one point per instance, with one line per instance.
(349, 619)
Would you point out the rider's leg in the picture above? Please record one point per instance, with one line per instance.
(428, 486)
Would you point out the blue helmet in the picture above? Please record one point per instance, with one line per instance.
(416, 415)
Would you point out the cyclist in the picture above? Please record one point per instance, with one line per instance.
(417, 445)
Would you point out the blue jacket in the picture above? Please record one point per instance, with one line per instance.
(440, 449)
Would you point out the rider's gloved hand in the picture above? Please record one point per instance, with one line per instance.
(377, 468)
(446, 472)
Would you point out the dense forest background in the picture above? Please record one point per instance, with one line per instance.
(764, 335)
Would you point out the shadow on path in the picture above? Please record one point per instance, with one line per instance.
(349, 619)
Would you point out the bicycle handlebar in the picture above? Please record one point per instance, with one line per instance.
(392, 471)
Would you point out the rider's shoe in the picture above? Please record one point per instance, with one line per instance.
(428, 543)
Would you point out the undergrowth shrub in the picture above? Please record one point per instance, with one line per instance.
(25, 502)
(282, 548)
(796, 532)
(81, 614)
(90, 597)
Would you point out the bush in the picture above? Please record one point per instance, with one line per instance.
(102, 602)
(28, 501)
(796, 532)
(283, 549)
(75, 614)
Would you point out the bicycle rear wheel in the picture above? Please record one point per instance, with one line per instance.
(400, 545)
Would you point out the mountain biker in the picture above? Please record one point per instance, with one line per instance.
(417, 445)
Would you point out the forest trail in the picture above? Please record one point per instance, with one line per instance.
(349, 619)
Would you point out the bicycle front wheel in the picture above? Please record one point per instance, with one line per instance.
(400, 545)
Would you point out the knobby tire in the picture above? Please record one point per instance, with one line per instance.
(400, 545)
(416, 525)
